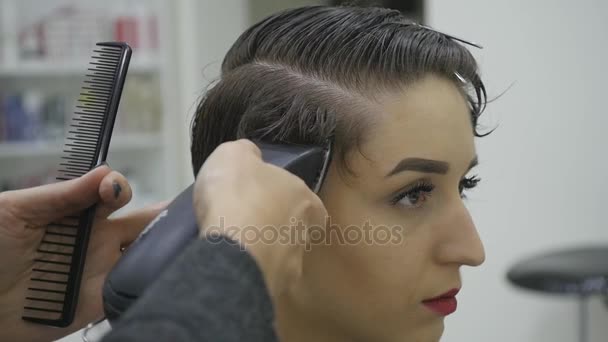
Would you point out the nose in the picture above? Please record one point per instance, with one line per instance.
(458, 240)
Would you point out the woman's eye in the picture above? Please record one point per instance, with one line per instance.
(468, 183)
(414, 196)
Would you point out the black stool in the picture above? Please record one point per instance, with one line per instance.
(578, 271)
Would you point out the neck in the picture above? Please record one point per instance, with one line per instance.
(295, 324)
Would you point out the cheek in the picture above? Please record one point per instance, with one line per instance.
(369, 261)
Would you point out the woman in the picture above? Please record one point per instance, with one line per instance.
(401, 103)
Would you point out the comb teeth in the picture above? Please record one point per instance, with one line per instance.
(50, 275)
(94, 101)
(55, 280)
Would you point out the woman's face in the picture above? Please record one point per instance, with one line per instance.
(400, 228)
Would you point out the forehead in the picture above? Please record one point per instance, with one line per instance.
(428, 119)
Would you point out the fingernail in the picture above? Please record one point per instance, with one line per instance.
(162, 205)
(102, 164)
(117, 189)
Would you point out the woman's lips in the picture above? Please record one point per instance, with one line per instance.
(444, 304)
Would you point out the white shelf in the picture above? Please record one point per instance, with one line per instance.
(55, 147)
(151, 160)
(69, 68)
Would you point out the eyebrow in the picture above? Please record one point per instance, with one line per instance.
(426, 166)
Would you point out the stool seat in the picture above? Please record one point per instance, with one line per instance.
(581, 271)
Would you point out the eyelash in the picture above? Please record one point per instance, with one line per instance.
(415, 190)
(426, 188)
(468, 183)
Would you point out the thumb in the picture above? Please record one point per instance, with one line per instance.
(129, 226)
(43, 204)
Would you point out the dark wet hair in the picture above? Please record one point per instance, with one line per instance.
(308, 74)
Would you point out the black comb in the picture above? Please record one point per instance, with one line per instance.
(52, 296)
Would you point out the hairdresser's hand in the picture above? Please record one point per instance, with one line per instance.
(23, 217)
(235, 185)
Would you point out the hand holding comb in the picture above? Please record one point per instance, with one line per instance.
(52, 296)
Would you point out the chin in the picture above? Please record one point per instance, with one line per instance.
(431, 332)
(435, 331)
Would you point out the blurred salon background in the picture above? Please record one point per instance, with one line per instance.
(544, 169)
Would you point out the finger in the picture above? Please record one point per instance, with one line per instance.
(230, 152)
(129, 227)
(43, 204)
(318, 212)
(249, 146)
(115, 192)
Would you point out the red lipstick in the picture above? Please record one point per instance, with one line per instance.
(444, 304)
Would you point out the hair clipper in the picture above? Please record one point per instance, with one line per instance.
(175, 228)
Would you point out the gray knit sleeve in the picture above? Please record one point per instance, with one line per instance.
(213, 292)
